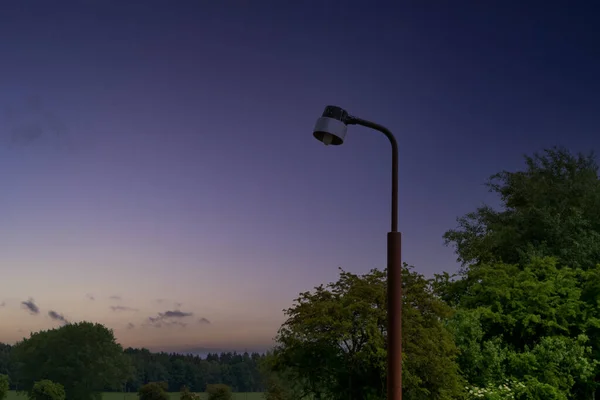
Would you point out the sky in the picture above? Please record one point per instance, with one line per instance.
(160, 175)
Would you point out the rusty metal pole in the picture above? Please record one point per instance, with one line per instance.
(394, 275)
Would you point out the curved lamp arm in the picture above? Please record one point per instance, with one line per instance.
(350, 120)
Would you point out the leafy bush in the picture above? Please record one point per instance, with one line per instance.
(218, 392)
(3, 386)
(47, 390)
(187, 395)
(154, 391)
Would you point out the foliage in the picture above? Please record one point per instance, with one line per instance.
(185, 394)
(83, 357)
(275, 391)
(505, 391)
(280, 383)
(47, 390)
(529, 290)
(3, 386)
(333, 343)
(524, 324)
(237, 370)
(154, 391)
(552, 208)
(218, 392)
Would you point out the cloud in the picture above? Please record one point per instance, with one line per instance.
(3, 304)
(90, 297)
(30, 306)
(115, 298)
(130, 326)
(57, 317)
(169, 318)
(160, 301)
(30, 121)
(175, 314)
(203, 321)
(178, 305)
(123, 308)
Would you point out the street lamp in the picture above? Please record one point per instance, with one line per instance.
(331, 130)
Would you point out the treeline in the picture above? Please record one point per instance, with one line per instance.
(240, 371)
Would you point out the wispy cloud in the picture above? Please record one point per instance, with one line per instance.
(130, 326)
(203, 321)
(175, 314)
(57, 317)
(30, 121)
(123, 308)
(90, 297)
(3, 304)
(115, 297)
(169, 318)
(30, 306)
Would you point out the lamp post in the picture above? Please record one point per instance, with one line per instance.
(331, 130)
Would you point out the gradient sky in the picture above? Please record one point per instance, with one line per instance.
(157, 156)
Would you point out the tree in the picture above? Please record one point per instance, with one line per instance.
(333, 343)
(280, 383)
(218, 392)
(530, 277)
(154, 391)
(552, 208)
(3, 386)
(47, 390)
(83, 357)
(555, 364)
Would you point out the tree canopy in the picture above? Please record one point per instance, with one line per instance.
(551, 208)
(529, 292)
(84, 357)
(333, 343)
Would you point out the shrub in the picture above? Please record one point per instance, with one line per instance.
(154, 391)
(187, 395)
(3, 386)
(47, 390)
(218, 392)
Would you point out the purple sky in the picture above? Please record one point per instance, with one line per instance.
(163, 149)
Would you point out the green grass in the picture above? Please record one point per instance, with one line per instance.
(132, 396)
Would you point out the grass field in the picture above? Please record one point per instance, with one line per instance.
(132, 396)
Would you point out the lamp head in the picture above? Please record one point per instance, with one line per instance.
(332, 126)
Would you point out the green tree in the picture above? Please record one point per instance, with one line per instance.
(218, 392)
(47, 390)
(83, 357)
(531, 274)
(154, 391)
(555, 364)
(280, 383)
(551, 208)
(333, 343)
(3, 386)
